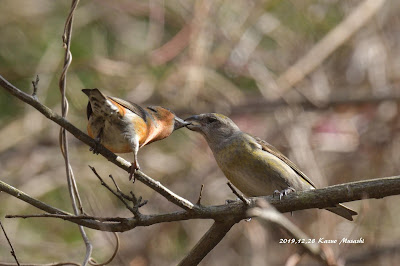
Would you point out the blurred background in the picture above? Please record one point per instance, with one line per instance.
(339, 123)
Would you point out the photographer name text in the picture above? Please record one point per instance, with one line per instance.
(321, 240)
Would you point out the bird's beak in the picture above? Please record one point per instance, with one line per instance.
(179, 123)
(193, 122)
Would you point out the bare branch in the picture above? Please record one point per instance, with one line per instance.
(94, 263)
(121, 196)
(68, 263)
(4, 187)
(318, 198)
(293, 260)
(261, 105)
(63, 141)
(334, 39)
(9, 243)
(371, 254)
(211, 238)
(270, 215)
(35, 87)
(69, 217)
(239, 194)
(200, 195)
(120, 162)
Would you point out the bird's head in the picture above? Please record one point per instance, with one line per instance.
(212, 126)
(166, 117)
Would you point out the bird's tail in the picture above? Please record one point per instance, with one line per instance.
(343, 211)
(99, 103)
(94, 92)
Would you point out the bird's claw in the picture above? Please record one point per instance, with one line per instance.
(134, 168)
(284, 192)
(95, 149)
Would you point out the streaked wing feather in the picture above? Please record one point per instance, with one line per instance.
(271, 149)
(135, 108)
(89, 110)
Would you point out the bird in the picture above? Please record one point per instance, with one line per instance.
(123, 126)
(251, 164)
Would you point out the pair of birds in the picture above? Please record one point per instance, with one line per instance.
(254, 166)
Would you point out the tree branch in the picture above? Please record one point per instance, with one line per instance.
(212, 237)
(261, 105)
(318, 198)
(120, 162)
(270, 216)
(372, 253)
(334, 39)
(9, 243)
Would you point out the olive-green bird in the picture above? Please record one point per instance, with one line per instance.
(254, 166)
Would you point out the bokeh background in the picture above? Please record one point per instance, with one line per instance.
(339, 124)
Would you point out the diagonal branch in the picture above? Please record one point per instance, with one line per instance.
(120, 162)
(137, 203)
(9, 243)
(270, 216)
(334, 39)
(211, 238)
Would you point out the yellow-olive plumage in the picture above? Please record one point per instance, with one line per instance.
(254, 166)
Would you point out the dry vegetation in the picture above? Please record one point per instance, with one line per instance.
(339, 123)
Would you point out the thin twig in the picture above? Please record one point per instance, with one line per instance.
(200, 195)
(72, 186)
(293, 260)
(68, 263)
(137, 202)
(35, 87)
(68, 217)
(240, 195)
(121, 196)
(9, 243)
(94, 263)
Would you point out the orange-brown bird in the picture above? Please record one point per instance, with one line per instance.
(122, 126)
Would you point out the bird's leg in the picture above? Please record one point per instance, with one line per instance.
(134, 165)
(95, 149)
(283, 192)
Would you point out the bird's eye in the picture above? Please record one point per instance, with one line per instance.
(152, 109)
(211, 119)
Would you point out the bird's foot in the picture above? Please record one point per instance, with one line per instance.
(284, 192)
(134, 167)
(95, 149)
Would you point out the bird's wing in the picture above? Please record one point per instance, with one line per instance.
(135, 108)
(271, 149)
(89, 110)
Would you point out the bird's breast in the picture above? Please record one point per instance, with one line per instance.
(118, 134)
(252, 170)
